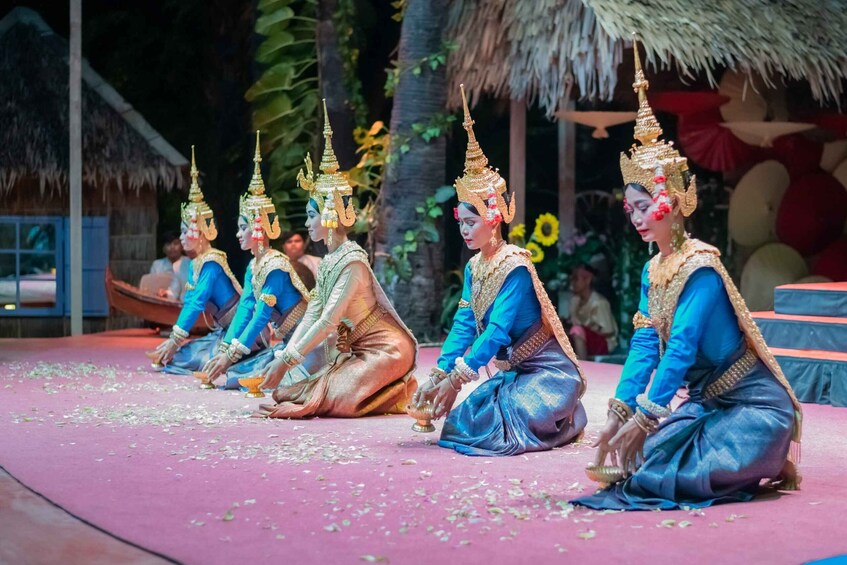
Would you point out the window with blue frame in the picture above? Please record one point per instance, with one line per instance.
(31, 273)
(35, 265)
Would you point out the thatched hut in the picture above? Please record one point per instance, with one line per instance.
(124, 162)
(549, 52)
(534, 50)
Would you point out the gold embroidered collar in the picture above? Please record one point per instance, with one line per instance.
(215, 256)
(271, 261)
(663, 269)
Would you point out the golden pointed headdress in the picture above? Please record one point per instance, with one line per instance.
(655, 164)
(330, 187)
(255, 205)
(482, 186)
(196, 213)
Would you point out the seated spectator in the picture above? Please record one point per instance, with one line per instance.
(294, 245)
(175, 263)
(593, 329)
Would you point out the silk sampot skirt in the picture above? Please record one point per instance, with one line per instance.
(375, 377)
(534, 407)
(709, 452)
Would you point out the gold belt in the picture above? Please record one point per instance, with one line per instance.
(291, 320)
(347, 338)
(731, 376)
(525, 350)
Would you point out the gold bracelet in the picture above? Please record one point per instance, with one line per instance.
(620, 409)
(178, 336)
(646, 423)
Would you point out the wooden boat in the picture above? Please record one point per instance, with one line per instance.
(162, 311)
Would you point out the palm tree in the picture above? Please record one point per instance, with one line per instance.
(413, 176)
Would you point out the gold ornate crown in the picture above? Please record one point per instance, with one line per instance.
(255, 205)
(482, 186)
(196, 213)
(330, 187)
(655, 164)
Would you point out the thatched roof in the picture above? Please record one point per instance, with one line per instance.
(119, 146)
(533, 48)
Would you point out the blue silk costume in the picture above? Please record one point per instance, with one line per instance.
(273, 293)
(532, 405)
(211, 288)
(730, 433)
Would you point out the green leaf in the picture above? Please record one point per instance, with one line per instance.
(416, 70)
(444, 193)
(404, 148)
(435, 212)
(411, 247)
(275, 79)
(409, 235)
(271, 45)
(271, 5)
(274, 109)
(430, 233)
(265, 23)
(404, 270)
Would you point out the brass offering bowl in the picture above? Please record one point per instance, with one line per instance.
(252, 386)
(604, 474)
(153, 356)
(204, 380)
(422, 413)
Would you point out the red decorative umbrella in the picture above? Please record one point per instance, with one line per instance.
(812, 213)
(832, 263)
(685, 103)
(800, 154)
(711, 146)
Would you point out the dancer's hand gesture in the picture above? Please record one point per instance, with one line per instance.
(273, 374)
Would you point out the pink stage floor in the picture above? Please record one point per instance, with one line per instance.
(185, 473)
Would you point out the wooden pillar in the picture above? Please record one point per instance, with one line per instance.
(567, 176)
(517, 158)
(75, 169)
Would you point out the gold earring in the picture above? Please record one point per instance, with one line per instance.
(677, 236)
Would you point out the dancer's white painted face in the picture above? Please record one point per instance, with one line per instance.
(475, 231)
(640, 208)
(317, 232)
(244, 233)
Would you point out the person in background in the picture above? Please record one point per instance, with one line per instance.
(593, 328)
(174, 262)
(294, 246)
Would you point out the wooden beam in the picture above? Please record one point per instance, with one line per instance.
(567, 176)
(517, 158)
(75, 172)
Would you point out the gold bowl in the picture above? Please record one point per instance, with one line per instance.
(604, 474)
(204, 380)
(252, 386)
(422, 413)
(153, 356)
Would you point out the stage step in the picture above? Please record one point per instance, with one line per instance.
(820, 299)
(816, 376)
(803, 332)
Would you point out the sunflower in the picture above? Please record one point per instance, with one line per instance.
(537, 252)
(546, 229)
(517, 233)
